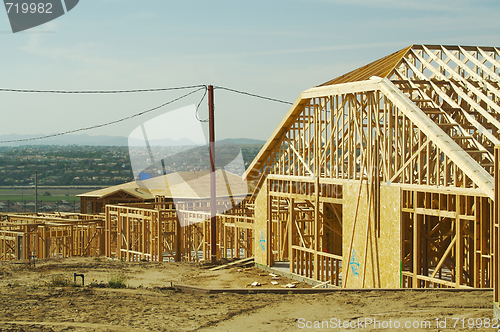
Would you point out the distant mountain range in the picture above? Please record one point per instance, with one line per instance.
(103, 140)
(243, 141)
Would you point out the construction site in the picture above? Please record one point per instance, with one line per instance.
(386, 177)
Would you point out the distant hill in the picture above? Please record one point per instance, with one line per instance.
(243, 141)
(163, 142)
(102, 140)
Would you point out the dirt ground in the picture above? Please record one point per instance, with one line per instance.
(29, 301)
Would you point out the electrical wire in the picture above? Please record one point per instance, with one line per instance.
(101, 91)
(104, 124)
(142, 90)
(253, 95)
(200, 87)
(197, 107)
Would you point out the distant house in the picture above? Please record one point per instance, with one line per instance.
(182, 185)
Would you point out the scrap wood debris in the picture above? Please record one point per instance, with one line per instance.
(256, 283)
(238, 263)
(289, 286)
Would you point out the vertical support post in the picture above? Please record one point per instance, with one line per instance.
(178, 239)
(119, 235)
(496, 230)
(141, 228)
(291, 221)
(459, 245)
(19, 246)
(224, 238)
(213, 197)
(416, 243)
(478, 241)
(269, 226)
(107, 231)
(317, 140)
(44, 242)
(128, 242)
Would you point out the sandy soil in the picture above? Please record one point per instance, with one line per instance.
(28, 302)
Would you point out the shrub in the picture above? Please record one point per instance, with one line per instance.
(61, 281)
(117, 282)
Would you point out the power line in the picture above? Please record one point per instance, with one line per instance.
(197, 107)
(200, 87)
(253, 95)
(107, 123)
(140, 91)
(100, 91)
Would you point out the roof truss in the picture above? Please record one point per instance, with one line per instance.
(432, 119)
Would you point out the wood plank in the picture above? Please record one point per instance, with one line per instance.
(236, 263)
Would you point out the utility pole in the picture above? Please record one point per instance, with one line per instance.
(213, 195)
(36, 191)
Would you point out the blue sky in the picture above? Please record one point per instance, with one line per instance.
(274, 48)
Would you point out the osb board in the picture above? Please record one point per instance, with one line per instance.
(261, 237)
(390, 236)
(383, 254)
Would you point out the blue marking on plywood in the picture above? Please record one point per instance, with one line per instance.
(354, 263)
(262, 241)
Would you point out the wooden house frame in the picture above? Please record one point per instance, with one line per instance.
(385, 177)
(48, 235)
(162, 231)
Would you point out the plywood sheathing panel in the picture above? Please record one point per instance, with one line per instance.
(375, 257)
(389, 242)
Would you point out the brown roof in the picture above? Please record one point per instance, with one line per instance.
(179, 185)
(130, 188)
(381, 68)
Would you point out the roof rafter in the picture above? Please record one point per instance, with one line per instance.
(450, 93)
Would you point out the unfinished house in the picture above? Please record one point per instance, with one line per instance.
(169, 187)
(95, 202)
(176, 225)
(385, 177)
(50, 235)
(166, 218)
